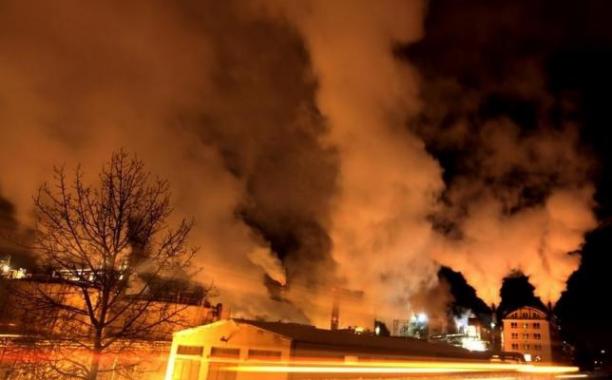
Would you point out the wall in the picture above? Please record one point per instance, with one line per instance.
(200, 352)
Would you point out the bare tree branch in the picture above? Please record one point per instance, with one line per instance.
(108, 244)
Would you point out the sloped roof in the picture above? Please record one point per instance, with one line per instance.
(309, 337)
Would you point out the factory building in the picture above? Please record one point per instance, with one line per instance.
(527, 330)
(217, 350)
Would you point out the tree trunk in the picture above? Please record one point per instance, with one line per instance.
(95, 357)
(94, 366)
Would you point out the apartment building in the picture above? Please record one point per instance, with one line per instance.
(527, 330)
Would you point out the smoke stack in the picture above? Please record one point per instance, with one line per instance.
(495, 330)
(335, 314)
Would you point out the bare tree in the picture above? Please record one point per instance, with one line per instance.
(106, 243)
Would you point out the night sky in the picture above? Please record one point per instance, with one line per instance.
(373, 146)
(490, 49)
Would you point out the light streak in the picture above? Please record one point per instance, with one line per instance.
(572, 376)
(369, 370)
(399, 368)
(528, 368)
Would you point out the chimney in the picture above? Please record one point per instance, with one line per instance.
(495, 335)
(335, 314)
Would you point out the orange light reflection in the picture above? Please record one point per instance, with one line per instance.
(399, 368)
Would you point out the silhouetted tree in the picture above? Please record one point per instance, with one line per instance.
(102, 240)
(516, 291)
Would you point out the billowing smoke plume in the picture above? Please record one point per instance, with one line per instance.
(525, 206)
(519, 194)
(388, 184)
(270, 263)
(215, 101)
(283, 130)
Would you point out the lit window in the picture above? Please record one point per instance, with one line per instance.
(525, 336)
(219, 352)
(190, 350)
(264, 355)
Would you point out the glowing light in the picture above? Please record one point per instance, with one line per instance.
(6, 268)
(381, 370)
(572, 376)
(473, 344)
(528, 368)
(421, 318)
(401, 368)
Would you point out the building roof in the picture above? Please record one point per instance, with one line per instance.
(541, 313)
(310, 338)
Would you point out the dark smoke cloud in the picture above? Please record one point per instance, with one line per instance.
(388, 184)
(265, 123)
(211, 97)
(282, 129)
(519, 194)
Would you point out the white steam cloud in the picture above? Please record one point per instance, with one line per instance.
(282, 128)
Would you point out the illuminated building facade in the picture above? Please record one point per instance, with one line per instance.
(470, 334)
(527, 331)
(25, 319)
(202, 353)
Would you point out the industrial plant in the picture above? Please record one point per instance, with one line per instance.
(238, 349)
(305, 189)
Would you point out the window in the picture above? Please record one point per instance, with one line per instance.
(537, 336)
(264, 355)
(229, 353)
(525, 346)
(513, 325)
(515, 346)
(525, 336)
(525, 325)
(537, 347)
(536, 325)
(190, 350)
(514, 335)
(525, 315)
